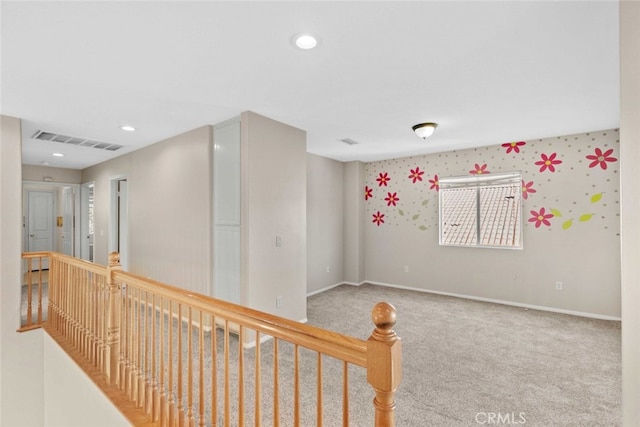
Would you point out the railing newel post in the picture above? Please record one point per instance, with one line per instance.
(384, 363)
(113, 325)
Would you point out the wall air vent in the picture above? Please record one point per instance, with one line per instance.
(349, 141)
(82, 142)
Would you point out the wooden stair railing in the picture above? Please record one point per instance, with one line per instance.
(166, 356)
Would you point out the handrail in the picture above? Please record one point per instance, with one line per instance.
(149, 345)
(334, 344)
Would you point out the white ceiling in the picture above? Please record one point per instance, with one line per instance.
(486, 72)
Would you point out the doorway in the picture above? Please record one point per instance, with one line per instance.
(87, 220)
(119, 227)
(49, 210)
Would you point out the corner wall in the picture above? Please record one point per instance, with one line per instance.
(325, 228)
(21, 355)
(273, 216)
(630, 177)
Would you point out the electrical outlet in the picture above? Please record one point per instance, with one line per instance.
(328, 269)
(278, 241)
(278, 301)
(558, 286)
(406, 268)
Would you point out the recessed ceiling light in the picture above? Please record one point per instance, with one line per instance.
(58, 155)
(305, 41)
(128, 128)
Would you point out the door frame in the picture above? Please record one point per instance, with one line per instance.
(51, 186)
(114, 224)
(86, 251)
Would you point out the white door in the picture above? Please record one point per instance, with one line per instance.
(86, 221)
(40, 226)
(67, 221)
(120, 220)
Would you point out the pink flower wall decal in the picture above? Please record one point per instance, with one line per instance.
(548, 162)
(540, 217)
(368, 192)
(391, 199)
(378, 218)
(416, 174)
(513, 146)
(601, 158)
(435, 183)
(527, 189)
(383, 179)
(479, 170)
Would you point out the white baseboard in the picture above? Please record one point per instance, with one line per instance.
(471, 297)
(497, 301)
(319, 291)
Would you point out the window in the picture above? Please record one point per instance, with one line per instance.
(481, 211)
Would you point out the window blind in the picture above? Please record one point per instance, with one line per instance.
(481, 211)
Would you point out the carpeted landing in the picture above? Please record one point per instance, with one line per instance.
(466, 363)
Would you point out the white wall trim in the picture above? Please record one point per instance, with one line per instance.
(319, 291)
(503, 302)
(471, 297)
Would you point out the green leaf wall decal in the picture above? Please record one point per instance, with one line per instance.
(425, 202)
(596, 197)
(556, 212)
(567, 224)
(422, 227)
(585, 217)
(415, 217)
(401, 212)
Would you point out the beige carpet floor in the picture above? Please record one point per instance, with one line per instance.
(466, 361)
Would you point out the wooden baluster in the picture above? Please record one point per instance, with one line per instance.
(180, 379)
(319, 391)
(190, 418)
(171, 399)
(126, 326)
(29, 279)
(227, 403)
(240, 376)
(384, 363)
(296, 386)
(214, 372)
(122, 378)
(201, 372)
(153, 410)
(86, 301)
(276, 385)
(40, 285)
(113, 326)
(345, 394)
(135, 345)
(162, 398)
(257, 380)
(143, 373)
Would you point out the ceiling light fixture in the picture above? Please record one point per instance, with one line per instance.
(58, 155)
(128, 128)
(425, 130)
(305, 41)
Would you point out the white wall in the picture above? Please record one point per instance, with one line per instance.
(70, 397)
(354, 223)
(579, 246)
(170, 195)
(274, 200)
(21, 370)
(325, 227)
(630, 235)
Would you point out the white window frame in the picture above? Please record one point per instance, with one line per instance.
(481, 211)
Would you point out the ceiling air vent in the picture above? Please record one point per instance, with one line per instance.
(349, 141)
(82, 142)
